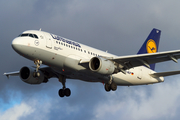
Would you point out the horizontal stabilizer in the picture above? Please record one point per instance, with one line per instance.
(163, 74)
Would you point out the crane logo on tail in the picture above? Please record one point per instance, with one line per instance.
(151, 46)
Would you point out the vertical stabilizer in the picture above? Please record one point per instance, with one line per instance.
(151, 44)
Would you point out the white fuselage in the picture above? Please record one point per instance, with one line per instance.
(64, 55)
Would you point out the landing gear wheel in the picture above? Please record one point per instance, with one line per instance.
(64, 92)
(61, 93)
(113, 86)
(36, 74)
(67, 92)
(107, 87)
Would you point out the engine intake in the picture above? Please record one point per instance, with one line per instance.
(27, 75)
(101, 65)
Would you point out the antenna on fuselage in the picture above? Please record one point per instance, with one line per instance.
(40, 29)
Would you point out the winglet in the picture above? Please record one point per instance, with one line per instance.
(151, 44)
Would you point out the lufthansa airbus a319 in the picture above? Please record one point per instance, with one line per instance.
(56, 56)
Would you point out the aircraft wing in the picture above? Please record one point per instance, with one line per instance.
(12, 74)
(127, 62)
(45, 69)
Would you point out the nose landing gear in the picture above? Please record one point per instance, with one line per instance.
(38, 64)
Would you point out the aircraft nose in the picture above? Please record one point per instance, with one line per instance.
(16, 44)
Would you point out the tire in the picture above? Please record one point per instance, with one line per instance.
(36, 74)
(61, 93)
(113, 86)
(107, 87)
(67, 92)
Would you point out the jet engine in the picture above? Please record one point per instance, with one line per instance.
(27, 75)
(102, 65)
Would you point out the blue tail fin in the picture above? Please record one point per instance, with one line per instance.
(151, 44)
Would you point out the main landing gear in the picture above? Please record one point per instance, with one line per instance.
(38, 64)
(64, 91)
(110, 85)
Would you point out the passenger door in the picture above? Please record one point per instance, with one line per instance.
(48, 41)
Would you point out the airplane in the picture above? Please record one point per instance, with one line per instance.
(62, 58)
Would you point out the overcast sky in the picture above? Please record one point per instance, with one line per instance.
(119, 26)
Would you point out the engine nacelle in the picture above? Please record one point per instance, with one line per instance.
(26, 75)
(101, 65)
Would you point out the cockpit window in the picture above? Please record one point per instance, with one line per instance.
(35, 36)
(23, 35)
(31, 35)
(28, 34)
